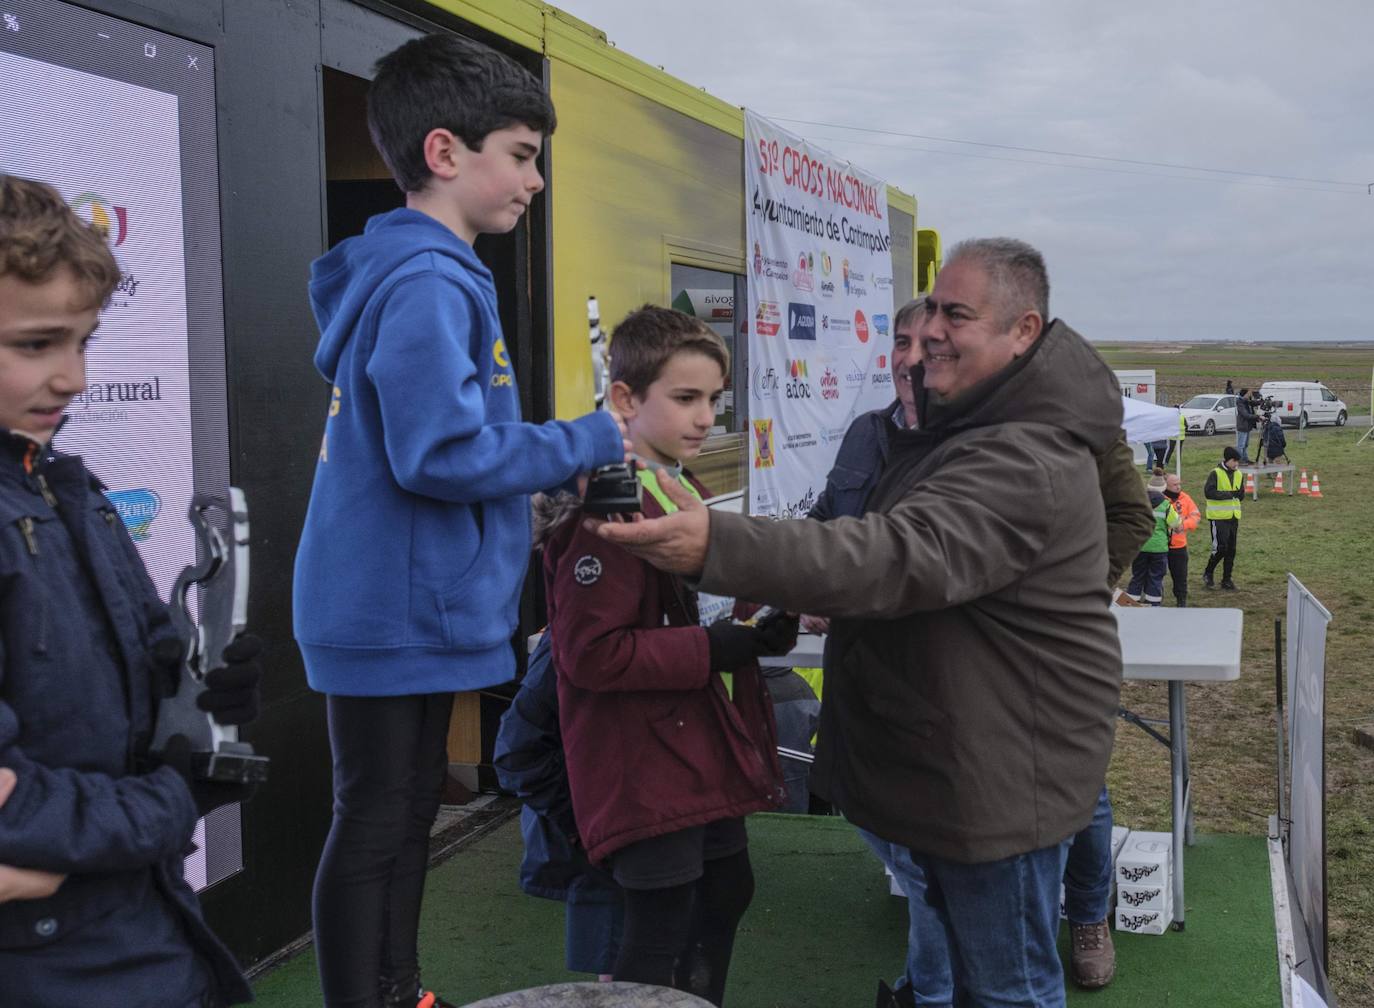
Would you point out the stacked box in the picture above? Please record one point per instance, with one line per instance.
(1144, 883)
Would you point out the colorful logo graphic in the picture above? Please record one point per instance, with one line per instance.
(861, 326)
(765, 382)
(503, 378)
(882, 360)
(830, 385)
(768, 318)
(758, 259)
(844, 271)
(112, 221)
(797, 368)
(880, 323)
(825, 263)
(803, 278)
(801, 320)
(797, 385)
(763, 444)
(136, 509)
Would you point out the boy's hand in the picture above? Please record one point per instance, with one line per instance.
(231, 692)
(815, 624)
(23, 883)
(624, 436)
(208, 795)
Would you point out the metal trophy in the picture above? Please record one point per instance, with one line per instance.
(222, 573)
(612, 489)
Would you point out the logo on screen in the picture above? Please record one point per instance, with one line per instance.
(136, 509)
(861, 327)
(763, 444)
(110, 220)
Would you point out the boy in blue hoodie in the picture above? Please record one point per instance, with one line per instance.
(417, 536)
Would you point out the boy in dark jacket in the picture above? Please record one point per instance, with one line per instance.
(663, 760)
(94, 908)
(417, 537)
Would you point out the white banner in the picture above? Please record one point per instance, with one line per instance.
(820, 311)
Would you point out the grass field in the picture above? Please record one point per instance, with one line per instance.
(1328, 545)
(1186, 369)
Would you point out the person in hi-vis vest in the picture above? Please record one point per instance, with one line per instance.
(1223, 493)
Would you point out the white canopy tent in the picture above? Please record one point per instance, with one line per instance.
(1145, 422)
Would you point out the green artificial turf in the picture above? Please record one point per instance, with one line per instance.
(822, 929)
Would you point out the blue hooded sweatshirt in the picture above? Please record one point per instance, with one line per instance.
(417, 536)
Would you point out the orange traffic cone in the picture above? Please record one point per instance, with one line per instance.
(1250, 483)
(1302, 484)
(1278, 483)
(1316, 485)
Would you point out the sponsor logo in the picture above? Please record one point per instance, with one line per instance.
(854, 375)
(502, 359)
(861, 326)
(829, 435)
(587, 570)
(880, 324)
(758, 259)
(882, 282)
(765, 381)
(801, 439)
(1134, 873)
(882, 361)
(765, 502)
(764, 457)
(844, 272)
(136, 509)
(827, 288)
(1137, 899)
(797, 385)
(834, 324)
(767, 319)
(110, 220)
(830, 385)
(773, 269)
(803, 278)
(825, 265)
(1132, 922)
(799, 508)
(882, 378)
(853, 281)
(801, 321)
(120, 392)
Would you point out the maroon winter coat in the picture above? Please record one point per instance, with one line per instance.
(654, 743)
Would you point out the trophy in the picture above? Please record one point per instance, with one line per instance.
(221, 575)
(612, 489)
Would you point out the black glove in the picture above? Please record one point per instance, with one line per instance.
(778, 633)
(208, 795)
(231, 692)
(732, 645)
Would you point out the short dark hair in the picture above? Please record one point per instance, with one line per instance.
(647, 337)
(908, 312)
(1016, 273)
(39, 234)
(448, 82)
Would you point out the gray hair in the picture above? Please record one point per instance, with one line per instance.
(908, 311)
(1016, 273)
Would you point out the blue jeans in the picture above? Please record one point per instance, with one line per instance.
(1243, 443)
(1088, 871)
(1000, 920)
(927, 947)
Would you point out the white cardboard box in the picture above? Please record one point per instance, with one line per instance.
(1151, 922)
(1145, 897)
(1119, 835)
(1145, 859)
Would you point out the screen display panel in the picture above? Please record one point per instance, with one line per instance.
(120, 119)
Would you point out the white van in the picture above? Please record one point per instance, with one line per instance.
(1300, 403)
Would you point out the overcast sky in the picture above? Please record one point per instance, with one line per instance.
(1250, 86)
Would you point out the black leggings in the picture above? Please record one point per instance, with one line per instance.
(390, 761)
(1178, 573)
(682, 936)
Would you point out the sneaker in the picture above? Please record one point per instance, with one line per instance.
(1207, 581)
(1228, 585)
(400, 996)
(1093, 957)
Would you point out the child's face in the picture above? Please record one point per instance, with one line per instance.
(43, 332)
(492, 187)
(670, 423)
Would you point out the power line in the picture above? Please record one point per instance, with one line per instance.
(1055, 153)
(1091, 168)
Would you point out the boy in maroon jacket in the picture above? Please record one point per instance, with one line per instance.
(664, 762)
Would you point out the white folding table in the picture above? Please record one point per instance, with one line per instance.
(1172, 645)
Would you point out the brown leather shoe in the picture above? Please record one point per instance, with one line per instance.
(1093, 957)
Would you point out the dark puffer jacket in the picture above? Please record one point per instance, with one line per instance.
(79, 616)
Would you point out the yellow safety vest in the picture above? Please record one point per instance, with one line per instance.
(648, 478)
(1220, 510)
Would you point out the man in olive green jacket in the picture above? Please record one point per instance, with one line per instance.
(977, 667)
